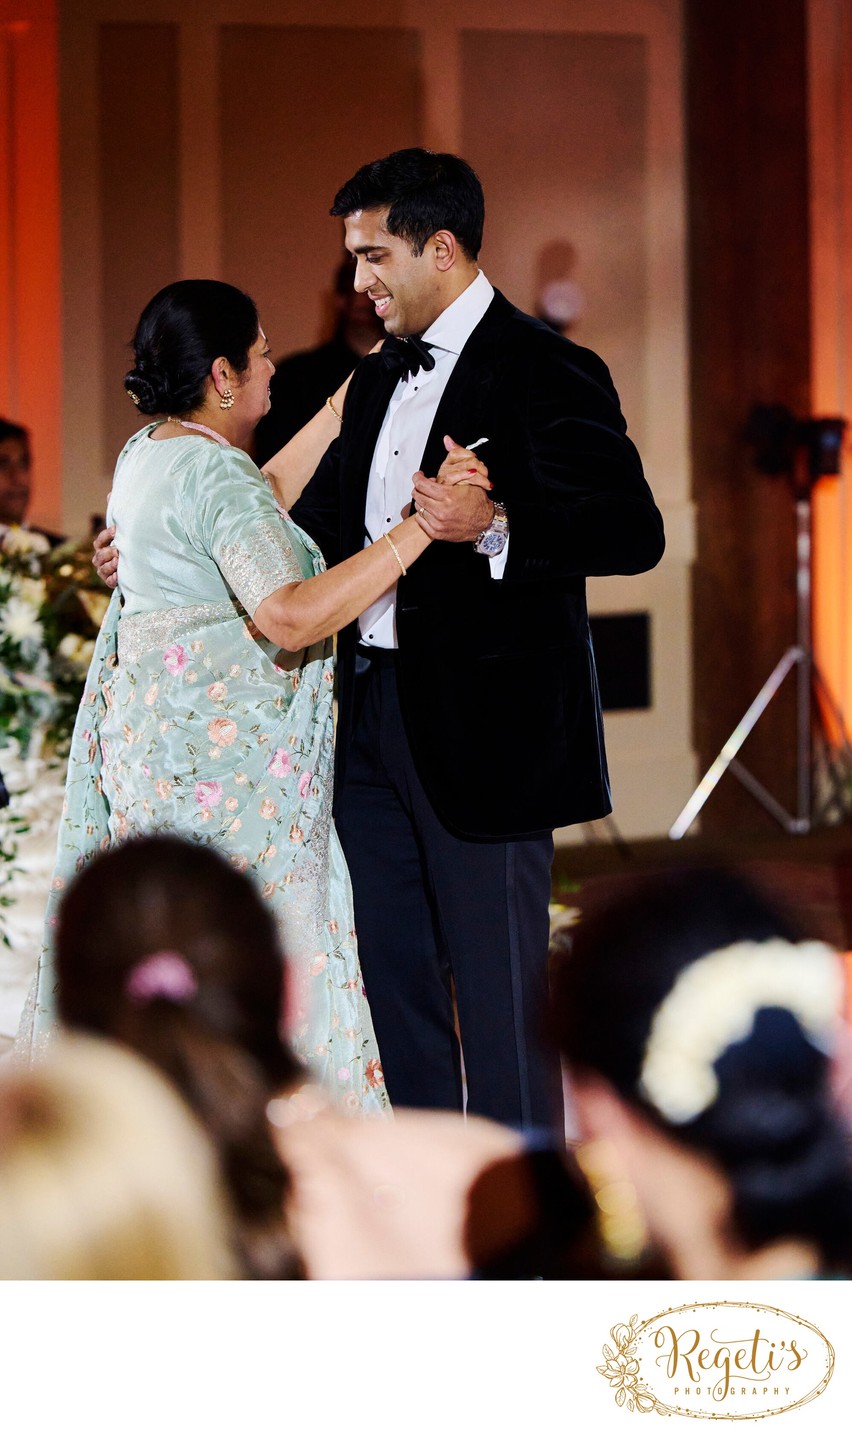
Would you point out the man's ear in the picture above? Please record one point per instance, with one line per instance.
(445, 248)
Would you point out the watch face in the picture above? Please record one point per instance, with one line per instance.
(491, 543)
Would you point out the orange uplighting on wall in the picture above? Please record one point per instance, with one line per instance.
(830, 91)
(30, 281)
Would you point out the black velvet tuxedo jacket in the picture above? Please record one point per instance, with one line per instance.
(497, 677)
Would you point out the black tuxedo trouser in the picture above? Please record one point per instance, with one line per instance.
(437, 914)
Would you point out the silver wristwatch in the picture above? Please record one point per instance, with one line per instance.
(492, 541)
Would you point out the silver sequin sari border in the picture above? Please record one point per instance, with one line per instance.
(138, 634)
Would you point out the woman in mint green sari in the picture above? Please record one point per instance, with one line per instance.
(208, 705)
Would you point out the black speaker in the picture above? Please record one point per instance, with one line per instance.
(622, 644)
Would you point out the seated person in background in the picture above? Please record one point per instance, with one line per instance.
(104, 1174)
(698, 1030)
(15, 482)
(303, 381)
(165, 947)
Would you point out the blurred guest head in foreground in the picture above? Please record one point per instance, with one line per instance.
(699, 1031)
(164, 947)
(104, 1173)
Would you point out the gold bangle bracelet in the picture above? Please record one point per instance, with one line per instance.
(338, 417)
(396, 552)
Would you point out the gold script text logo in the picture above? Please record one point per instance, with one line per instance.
(717, 1360)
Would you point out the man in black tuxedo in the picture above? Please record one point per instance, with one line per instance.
(470, 724)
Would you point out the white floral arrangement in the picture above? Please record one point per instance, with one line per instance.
(51, 606)
(28, 829)
(25, 693)
(713, 1005)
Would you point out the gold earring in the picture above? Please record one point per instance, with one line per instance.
(227, 399)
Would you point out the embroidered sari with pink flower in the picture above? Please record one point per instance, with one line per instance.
(192, 724)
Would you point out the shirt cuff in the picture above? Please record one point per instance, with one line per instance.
(498, 561)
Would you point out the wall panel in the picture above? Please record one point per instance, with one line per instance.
(555, 125)
(750, 344)
(138, 149)
(301, 109)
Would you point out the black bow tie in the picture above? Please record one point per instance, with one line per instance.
(406, 356)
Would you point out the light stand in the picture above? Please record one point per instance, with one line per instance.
(782, 441)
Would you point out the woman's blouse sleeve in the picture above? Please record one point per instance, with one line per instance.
(235, 521)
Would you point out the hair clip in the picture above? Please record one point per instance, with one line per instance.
(164, 975)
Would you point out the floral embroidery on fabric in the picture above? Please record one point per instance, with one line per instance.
(208, 733)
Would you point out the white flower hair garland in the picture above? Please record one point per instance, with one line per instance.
(713, 1004)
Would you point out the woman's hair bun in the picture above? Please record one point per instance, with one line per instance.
(180, 334)
(147, 388)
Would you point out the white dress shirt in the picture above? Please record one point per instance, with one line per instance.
(402, 440)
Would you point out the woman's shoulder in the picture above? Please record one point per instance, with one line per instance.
(191, 452)
(190, 472)
(223, 463)
(201, 469)
(133, 442)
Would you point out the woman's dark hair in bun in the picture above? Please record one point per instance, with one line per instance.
(773, 1128)
(181, 331)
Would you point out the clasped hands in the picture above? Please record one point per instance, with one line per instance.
(455, 505)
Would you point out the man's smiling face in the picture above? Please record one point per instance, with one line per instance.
(405, 288)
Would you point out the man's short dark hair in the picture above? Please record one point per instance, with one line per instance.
(425, 192)
(10, 430)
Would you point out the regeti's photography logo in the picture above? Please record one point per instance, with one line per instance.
(722, 1360)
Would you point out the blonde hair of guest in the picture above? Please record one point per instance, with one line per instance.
(104, 1173)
